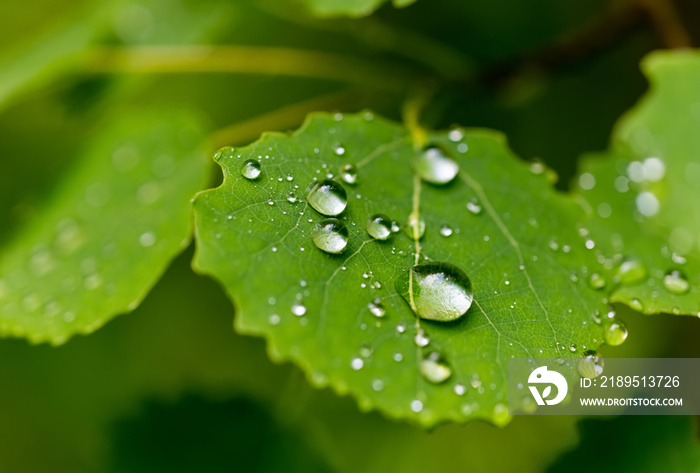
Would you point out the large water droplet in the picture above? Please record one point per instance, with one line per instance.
(328, 197)
(615, 332)
(435, 369)
(379, 227)
(331, 235)
(591, 365)
(434, 167)
(437, 291)
(631, 271)
(349, 173)
(675, 282)
(251, 169)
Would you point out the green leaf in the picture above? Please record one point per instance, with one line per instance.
(109, 231)
(528, 298)
(643, 193)
(352, 8)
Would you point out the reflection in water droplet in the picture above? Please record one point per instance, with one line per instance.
(376, 307)
(251, 169)
(615, 332)
(331, 236)
(591, 365)
(349, 173)
(434, 167)
(596, 281)
(474, 207)
(631, 271)
(434, 368)
(436, 291)
(415, 227)
(328, 197)
(675, 282)
(379, 227)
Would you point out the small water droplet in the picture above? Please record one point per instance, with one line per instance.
(376, 307)
(440, 291)
(379, 227)
(349, 173)
(591, 365)
(675, 282)
(615, 332)
(637, 305)
(331, 236)
(596, 281)
(416, 406)
(434, 167)
(460, 389)
(377, 385)
(147, 239)
(474, 207)
(298, 309)
(421, 339)
(434, 368)
(328, 197)
(415, 227)
(339, 149)
(631, 271)
(251, 169)
(357, 363)
(445, 230)
(274, 319)
(292, 197)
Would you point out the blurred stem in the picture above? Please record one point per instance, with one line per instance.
(412, 109)
(292, 115)
(667, 23)
(249, 60)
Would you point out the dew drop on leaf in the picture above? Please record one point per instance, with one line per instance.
(434, 167)
(251, 169)
(437, 291)
(631, 271)
(675, 282)
(415, 227)
(435, 369)
(591, 365)
(596, 281)
(349, 173)
(328, 197)
(474, 207)
(637, 305)
(379, 227)
(615, 333)
(376, 307)
(298, 309)
(331, 236)
(445, 230)
(421, 339)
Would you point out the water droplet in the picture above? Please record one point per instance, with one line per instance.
(460, 389)
(647, 204)
(474, 207)
(339, 149)
(328, 197)
(596, 281)
(292, 197)
(379, 227)
(445, 230)
(586, 181)
(349, 173)
(331, 236)
(416, 406)
(377, 385)
(421, 339)
(615, 333)
(224, 153)
(434, 368)
(637, 305)
(434, 167)
(147, 239)
(631, 271)
(437, 291)
(299, 309)
(455, 135)
(376, 307)
(357, 363)
(675, 282)
(415, 227)
(274, 319)
(591, 365)
(251, 169)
